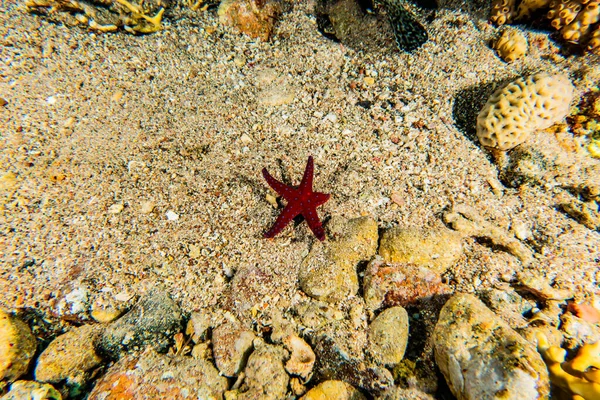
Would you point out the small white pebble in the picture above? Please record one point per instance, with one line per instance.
(51, 100)
(194, 251)
(331, 117)
(246, 139)
(521, 230)
(147, 207)
(272, 200)
(172, 216)
(116, 208)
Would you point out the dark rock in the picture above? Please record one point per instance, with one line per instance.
(152, 321)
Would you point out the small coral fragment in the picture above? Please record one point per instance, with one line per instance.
(511, 45)
(580, 375)
(466, 220)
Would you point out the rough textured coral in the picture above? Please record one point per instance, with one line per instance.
(527, 7)
(521, 107)
(511, 45)
(576, 20)
(503, 11)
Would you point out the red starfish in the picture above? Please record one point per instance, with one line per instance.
(300, 200)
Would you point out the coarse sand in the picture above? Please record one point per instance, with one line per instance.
(132, 160)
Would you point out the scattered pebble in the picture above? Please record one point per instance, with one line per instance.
(160, 376)
(481, 356)
(388, 337)
(152, 321)
(116, 208)
(333, 390)
(329, 271)
(147, 207)
(172, 216)
(117, 96)
(31, 390)
(17, 347)
(232, 345)
(3, 102)
(75, 304)
(437, 249)
(71, 356)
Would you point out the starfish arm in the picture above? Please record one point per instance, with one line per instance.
(282, 189)
(318, 199)
(289, 213)
(307, 179)
(314, 223)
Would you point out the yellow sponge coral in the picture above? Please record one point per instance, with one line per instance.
(580, 376)
(511, 45)
(577, 20)
(528, 104)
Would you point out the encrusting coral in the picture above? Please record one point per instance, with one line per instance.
(579, 376)
(576, 20)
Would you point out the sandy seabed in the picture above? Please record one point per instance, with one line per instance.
(106, 138)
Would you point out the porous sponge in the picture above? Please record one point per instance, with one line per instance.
(528, 104)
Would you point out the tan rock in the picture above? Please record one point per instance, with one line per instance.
(302, 359)
(437, 249)
(70, 356)
(481, 357)
(17, 347)
(31, 390)
(252, 17)
(266, 378)
(333, 390)
(232, 344)
(398, 284)
(159, 376)
(329, 271)
(388, 336)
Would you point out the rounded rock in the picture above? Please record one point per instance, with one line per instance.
(481, 357)
(17, 347)
(436, 250)
(388, 337)
(70, 356)
(333, 390)
(153, 320)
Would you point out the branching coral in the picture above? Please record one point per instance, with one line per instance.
(578, 21)
(579, 376)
